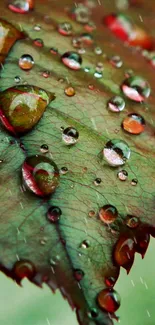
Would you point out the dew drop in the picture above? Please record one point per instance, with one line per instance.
(22, 107)
(116, 61)
(132, 221)
(133, 123)
(17, 79)
(116, 152)
(38, 42)
(86, 69)
(134, 182)
(91, 213)
(65, 29)
(54, 214)
(21, 6)
(116, 104)
(70, 136)
(64, 170)
(97, 181)
(85, 244)
(44, 148)
(81, 13)
(93, 313)
(69, 91)
(124, 252)
(24, 269)
(40, 175)
(54, 50)
(98, 50)
(109, 300)
(136, 88)
(37, 28)
(78, 274)
(26, 62)
(90, 26)
(46, 74)
(110, 281)
(122, 175)
(72, 60)
(108, 214)
(142, 242)
(98, 74)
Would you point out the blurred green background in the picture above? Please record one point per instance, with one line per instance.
(33, 306)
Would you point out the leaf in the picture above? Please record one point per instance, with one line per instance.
(78, 241)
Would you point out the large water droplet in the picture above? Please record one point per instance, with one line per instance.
(109, 300)
(65, 29)
(21, 6)
(54, 214)
(124, 252)
(23, 269)
(70, 135)
(72, 60)
(116, 152)
(40, 175)
(133, 123)
(136, 88)
(116, 104)
(26, 62)
(22, 107)
(108, 213)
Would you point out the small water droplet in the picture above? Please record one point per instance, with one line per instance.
(64, 170)
(44, 148)
(116, 61)
(116, 152)
(133, 123)
(124, 252)
(37, 28)
(93, 313)
(116, 104)
(108, 213)
(142, 242)
(26, 62)
(40, 175)
(21, 7)
(97, 181)
(134, 182)
(110, 281)
(86, 69)
(80, 13)
(85, 244)
(91, 87)
(65, 29)
(90, 26)
(132, 221)
(54, 214)
(54, 50)
(17, 79)
(136, 88)
(109, 300)
(70, 135)
(72, 60)
(98, 50)
(46, 74)
(78, 274)
(122, 175)
(91, 213)
(23, 269)
(38, 42)
(98, 74)
(69, 91)
(55, 260)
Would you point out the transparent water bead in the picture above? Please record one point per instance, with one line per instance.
(116, 152)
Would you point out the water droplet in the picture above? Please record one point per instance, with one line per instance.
(54, 214)
(93, 313)
(136, 88)
(26, 62)
(70, 135)
(142, 242)
(17, 79)
(116, 104)
(78, 274)
(37, 28)
(38, 42)
(40, 175)
(97, 181)
(69, 91)
(80, 13)
(108, 213)
(85, 244)
(134, 182)
(116, 152)
(110, 281)
(91, 87)
(55, 261)
(133, 123)
(116, 61)
(83, 40)
(91, 213)
(98, 50)
(44, 148)
(22, 107)
(124, 252)
(65, 29)
(132, 221)
(122, 175)
(64, 170)
(123, 28)
(90, 26)
(54, 50)
(98, 74)
(46, 74)
(22, 6)
(109, 300)
(23, 269)
(72, 60)
(86, 69)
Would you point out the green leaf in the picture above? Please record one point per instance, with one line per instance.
(56, 251)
